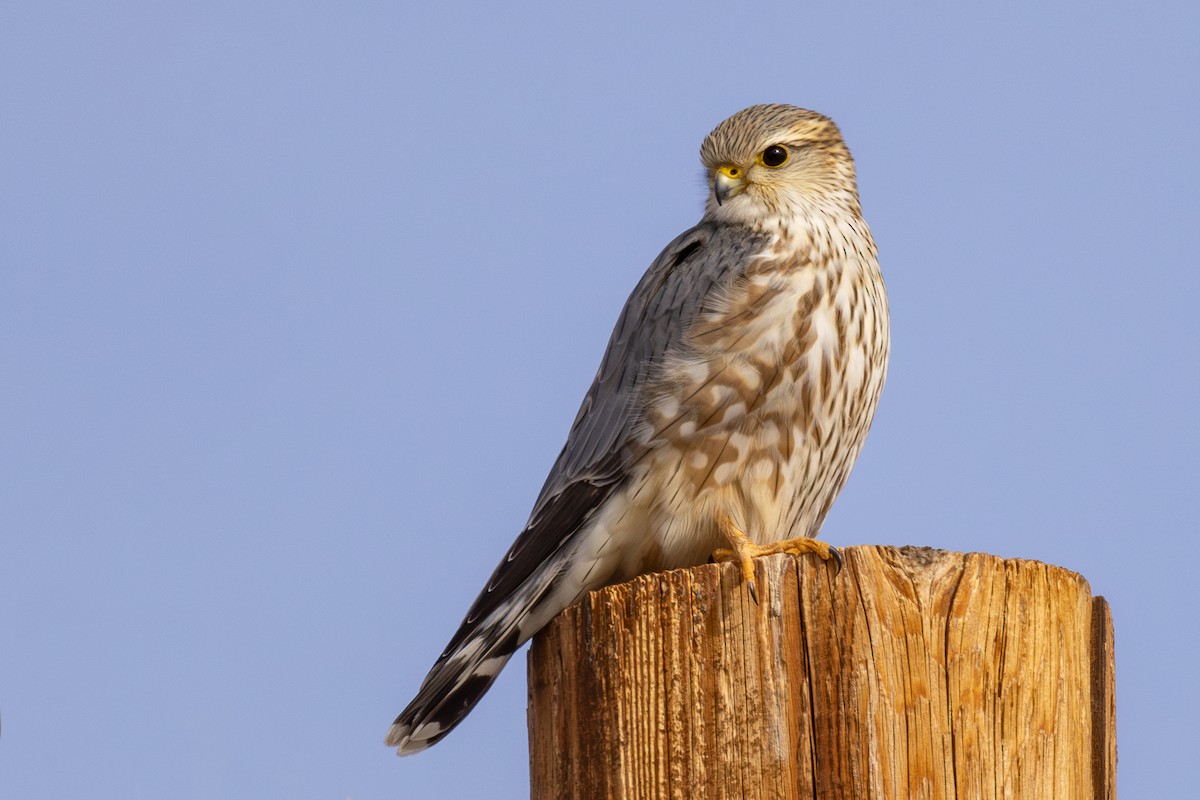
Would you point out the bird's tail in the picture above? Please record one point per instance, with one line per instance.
(448, 694)
(529, 587)
(471, 663)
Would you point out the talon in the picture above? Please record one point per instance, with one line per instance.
(743, 551)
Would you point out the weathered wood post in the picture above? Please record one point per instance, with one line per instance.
(912, 673)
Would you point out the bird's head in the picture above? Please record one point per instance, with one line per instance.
(772, 166)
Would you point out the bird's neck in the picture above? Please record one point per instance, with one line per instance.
(799, 219)
(823, 230)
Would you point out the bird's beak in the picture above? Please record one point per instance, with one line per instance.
(729, 181)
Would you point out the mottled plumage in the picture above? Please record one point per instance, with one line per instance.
(733, 399)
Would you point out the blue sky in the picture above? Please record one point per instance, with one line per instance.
(297, 303)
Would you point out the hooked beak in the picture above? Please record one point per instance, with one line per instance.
(729, 181)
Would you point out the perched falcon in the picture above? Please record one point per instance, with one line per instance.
(733, 399)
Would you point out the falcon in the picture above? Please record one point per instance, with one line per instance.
(732, 401)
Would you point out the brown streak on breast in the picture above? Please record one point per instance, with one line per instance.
(789, 436)
(839, 321)
(804, 336)
(831, 281)
(771, 374)
(804, 417)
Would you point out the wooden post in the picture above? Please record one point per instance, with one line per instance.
(912, 673)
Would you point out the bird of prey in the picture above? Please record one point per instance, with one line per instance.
(732, 401)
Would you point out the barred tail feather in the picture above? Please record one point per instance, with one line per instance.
(470, 665)
(447, 695)
(498, 623)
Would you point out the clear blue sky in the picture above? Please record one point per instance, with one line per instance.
(298, 302)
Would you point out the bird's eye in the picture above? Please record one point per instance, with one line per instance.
(774, 156)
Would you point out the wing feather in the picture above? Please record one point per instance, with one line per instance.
(595, 462)
(596, 458)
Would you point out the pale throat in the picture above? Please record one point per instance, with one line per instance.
(788, 213)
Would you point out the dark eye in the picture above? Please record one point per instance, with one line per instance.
(774, 156)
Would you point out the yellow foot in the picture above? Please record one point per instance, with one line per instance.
(744, 551)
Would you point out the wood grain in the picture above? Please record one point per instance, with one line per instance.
(912, 673)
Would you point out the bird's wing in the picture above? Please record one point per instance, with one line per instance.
(595, 459)
(593, 464)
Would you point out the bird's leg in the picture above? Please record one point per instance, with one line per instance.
(743, 551)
